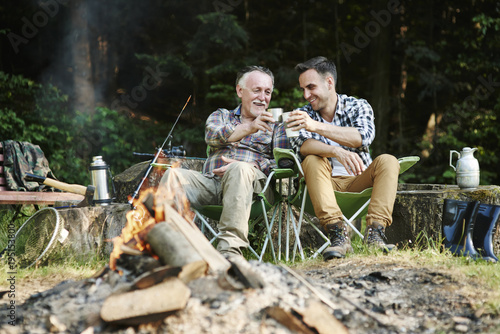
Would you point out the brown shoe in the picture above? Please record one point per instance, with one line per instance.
(340, 242)
(375, 235)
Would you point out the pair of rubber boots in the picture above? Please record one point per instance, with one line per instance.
(468, 228)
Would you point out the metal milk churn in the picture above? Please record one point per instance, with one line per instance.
(467, 168)
(99, 172)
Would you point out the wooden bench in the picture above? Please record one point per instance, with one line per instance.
(30, 197)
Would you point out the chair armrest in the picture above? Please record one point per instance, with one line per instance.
(406, 163)
(286, 153)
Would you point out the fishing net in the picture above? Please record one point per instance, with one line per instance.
(37, 237)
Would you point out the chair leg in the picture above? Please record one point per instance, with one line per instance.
(458, 226)
(205, 224)
(269, 229)
(296, 230)
(484, 226)
(353, 218)
(323, 236)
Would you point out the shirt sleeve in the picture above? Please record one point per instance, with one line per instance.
(364, 121)
(219, 127)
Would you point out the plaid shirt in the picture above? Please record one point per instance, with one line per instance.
(350, 112)
(257, 147)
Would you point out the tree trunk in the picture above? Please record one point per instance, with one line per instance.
(380, 61)
(83, 91)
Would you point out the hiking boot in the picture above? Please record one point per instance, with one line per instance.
(341, 244)
(375, 235)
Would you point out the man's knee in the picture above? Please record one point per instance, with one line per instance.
(387, 161)
(239, 172)
(312, 163)
(176, 174)
(239, 167)
(312, 160)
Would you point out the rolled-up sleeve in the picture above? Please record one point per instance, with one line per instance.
(364, 121)
(219, 128)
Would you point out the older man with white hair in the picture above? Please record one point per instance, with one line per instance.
(241, 144)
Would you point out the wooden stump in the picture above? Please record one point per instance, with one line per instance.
(127, 182)
(92, 228)
(419, 208)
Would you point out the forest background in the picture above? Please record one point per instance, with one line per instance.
(86, 77)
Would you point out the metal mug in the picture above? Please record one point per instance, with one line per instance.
(277, 112)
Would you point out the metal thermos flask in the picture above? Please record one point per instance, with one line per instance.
(99, 172)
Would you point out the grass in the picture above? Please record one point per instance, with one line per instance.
(64, 270)
(59, 263)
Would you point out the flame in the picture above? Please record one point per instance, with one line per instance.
(140, 221)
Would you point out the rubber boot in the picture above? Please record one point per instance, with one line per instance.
(458, 226)
(482, 238)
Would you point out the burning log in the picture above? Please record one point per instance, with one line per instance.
(198, 241)
(186, 274)
(170, 245)
(148, 211)
(133, 236)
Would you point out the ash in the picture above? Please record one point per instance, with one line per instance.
(385, 297)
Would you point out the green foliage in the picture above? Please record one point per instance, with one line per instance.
(438, 50)
(288, 100)
(39, 114)
(218, 33)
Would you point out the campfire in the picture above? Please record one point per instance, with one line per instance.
(161, 227)
(164, 276)
(145, 215)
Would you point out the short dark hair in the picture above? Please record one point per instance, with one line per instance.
(248, 69)
(321, 64)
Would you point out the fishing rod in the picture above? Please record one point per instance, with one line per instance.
(136, 192)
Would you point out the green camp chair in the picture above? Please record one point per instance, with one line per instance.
(261, 206)
(353, 205)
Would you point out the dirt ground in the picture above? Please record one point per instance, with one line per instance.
(371, 294)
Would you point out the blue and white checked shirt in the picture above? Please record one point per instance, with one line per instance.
(350, 112)
(257, 147)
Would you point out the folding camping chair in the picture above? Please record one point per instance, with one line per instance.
(259, 211)
(352, 205)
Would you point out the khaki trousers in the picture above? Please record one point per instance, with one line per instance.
(235, 191)
(382, 175)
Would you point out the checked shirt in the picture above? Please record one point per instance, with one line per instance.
(257, 147)
(350, 112)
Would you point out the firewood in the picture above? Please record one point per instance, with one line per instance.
(193, 270)
(146, 305)
(171, 246)
(216, 262)
(186, 273)
(287, 319)
(317, 316)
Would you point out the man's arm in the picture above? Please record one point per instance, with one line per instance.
(346, 136)
(220, 129)
(249, 127)
(351, 160)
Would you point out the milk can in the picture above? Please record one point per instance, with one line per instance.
(467, 168)
(99, 172)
